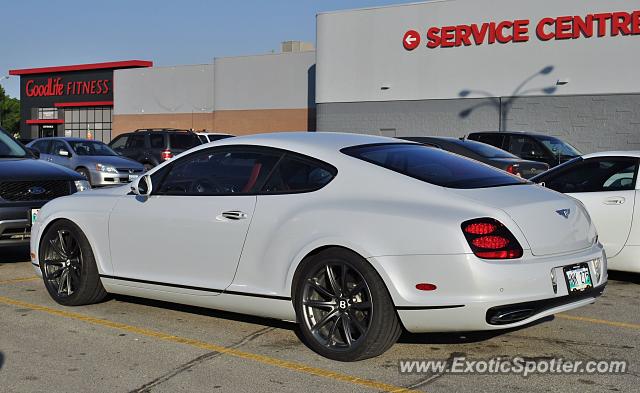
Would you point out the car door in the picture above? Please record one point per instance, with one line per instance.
(607, 188)
(43, 147)
(190, 232)
(528, 148)
(118, 145)
(56, 158)
(135, 146)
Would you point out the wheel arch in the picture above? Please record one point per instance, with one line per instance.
(311, 251)
(101, 263)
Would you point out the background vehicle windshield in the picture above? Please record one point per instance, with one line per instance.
(484, 150)
(92, 148)
(433, 165)
(9, 148)
(559, 147)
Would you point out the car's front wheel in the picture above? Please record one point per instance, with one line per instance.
(343, 307)
(68, 266)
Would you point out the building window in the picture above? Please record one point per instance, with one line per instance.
(90, 123)
(47, 113)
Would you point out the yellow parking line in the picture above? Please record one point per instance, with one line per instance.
(599, 321)
(285, 364)
(16, 280)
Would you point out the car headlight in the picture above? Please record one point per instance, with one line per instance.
(82, 185)
(106, 168)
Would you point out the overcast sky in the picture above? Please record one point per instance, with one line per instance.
(38, 33)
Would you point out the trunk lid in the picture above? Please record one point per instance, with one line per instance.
(540, 215)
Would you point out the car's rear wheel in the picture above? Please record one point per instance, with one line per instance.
(343, 307)
(68, 266)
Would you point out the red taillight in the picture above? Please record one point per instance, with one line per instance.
(490, 242)
(480, 228)
(489, 239)
(166, 155)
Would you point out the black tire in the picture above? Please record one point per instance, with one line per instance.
(380, 320)
(81, 285)
(84, 172)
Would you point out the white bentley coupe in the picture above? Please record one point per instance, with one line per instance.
(352, 236)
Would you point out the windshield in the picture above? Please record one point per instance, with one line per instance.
(9, 148)
(484, 150)
(433, 165)
(559, 147)
(91, 148)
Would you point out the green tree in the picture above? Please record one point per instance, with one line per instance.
(9, 112)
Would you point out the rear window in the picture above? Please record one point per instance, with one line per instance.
(433, 166)
(183, 141)
(485, 150)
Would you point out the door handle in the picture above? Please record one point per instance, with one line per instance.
(234, 215)
(614, 201)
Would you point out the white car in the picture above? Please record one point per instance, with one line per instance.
(607, 184)
(353, 236)
(206, 137)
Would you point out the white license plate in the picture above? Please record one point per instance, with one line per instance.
(578, 278)
(133, 177)
(34, 215)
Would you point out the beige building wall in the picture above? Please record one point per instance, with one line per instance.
(236, 122)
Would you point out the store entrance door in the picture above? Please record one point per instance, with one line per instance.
(47, 131)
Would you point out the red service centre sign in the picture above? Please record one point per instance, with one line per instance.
(610, 24)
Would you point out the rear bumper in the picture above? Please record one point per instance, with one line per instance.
(471, 291)
(510, 313)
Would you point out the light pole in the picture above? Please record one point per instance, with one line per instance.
(1, 102)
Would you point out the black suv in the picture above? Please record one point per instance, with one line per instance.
(529, 146)
(26, 184)
(151, 147)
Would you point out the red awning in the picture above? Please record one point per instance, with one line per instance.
(46, 121)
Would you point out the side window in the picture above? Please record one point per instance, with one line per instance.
(119, 143)
(183, 141)
(219, 172)
(298, 175)
(136, 141)
(596, 174)
(526, 147)
(156, 141)
(491, 139)
(42, 146)
(56, 146)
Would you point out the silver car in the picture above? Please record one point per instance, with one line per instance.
(92, 159)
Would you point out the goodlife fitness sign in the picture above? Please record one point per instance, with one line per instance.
(609, 24)
(57, 87)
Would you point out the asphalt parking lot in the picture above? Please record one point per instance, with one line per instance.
(134, 345)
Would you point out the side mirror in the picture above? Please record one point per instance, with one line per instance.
(34, 152)
(142, 186)
(64, 153)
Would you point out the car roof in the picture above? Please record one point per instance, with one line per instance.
(65, 138)
(617, 153)
(213, 133)
(308, 142)
(529, 133)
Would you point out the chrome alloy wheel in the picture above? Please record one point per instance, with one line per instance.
(337, 306)
(62, 262)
